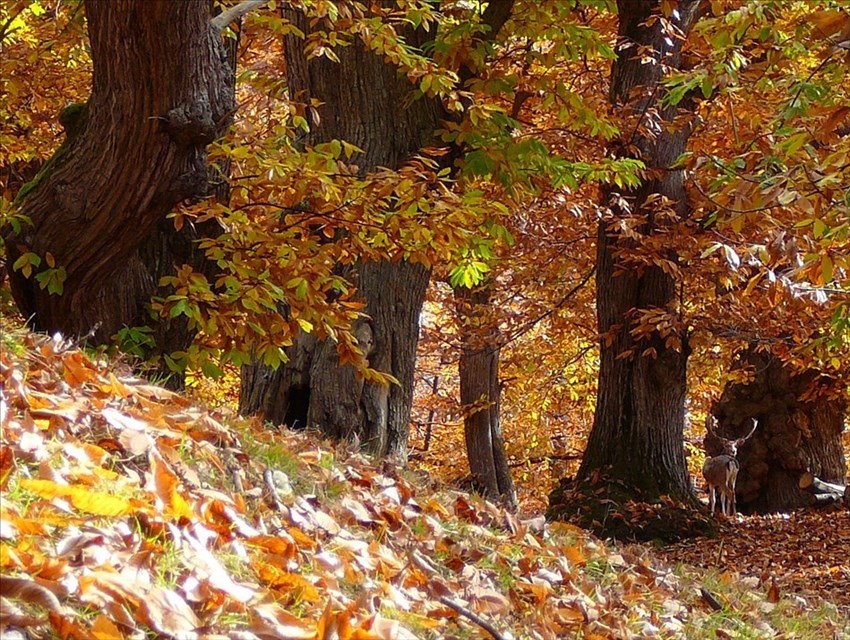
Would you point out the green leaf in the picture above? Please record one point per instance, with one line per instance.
(707, 87)
(479, 163)
(26, 262)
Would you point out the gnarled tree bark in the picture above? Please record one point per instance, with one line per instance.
(640, 411)
(796, 437)
(365, 101)
(635, 450)
(162, 90)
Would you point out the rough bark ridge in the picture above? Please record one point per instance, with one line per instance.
(365, 102)
(161, 91)
(794, 436)
(637, 431)
(480, 394)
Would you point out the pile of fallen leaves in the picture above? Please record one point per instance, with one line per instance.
(804, 553)
(129, 513)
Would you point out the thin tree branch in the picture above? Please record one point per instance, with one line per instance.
(466, 613)
(234, 13)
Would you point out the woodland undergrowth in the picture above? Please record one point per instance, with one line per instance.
(128, 512)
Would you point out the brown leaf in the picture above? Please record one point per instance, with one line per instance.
(7, 465)
(28, 591)
(773, 592)
(166, 612)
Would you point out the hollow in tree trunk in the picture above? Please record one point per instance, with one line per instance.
(480, 393)
(365, 101)
(800, 420)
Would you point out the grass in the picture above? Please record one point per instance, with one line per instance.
(271, 454)
(745, 617)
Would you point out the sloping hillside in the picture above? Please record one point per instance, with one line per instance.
(127, 512)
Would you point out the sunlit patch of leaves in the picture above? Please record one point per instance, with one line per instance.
(200, 532)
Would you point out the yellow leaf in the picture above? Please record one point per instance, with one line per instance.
(826, 269)
(83, 498)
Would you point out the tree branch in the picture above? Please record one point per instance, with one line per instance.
(496, 15)
(234, 13)
(466, 613)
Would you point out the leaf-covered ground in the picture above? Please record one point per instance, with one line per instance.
(129, 513)
(806, 553)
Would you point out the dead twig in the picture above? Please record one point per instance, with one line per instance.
(709, 599)
(466, 613)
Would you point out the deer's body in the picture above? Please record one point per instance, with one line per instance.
(721, 472)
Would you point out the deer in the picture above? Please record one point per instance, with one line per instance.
(721, 471)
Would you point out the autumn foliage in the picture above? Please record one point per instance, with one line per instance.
(127, 510)
(534, 168)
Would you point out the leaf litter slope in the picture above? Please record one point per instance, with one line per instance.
(127, 512)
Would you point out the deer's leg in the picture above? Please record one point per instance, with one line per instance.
(711, 499)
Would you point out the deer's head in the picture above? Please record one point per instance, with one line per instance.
(730, 447)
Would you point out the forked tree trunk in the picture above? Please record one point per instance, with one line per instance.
(795, 438)
(480, 394)
(640, 412)
(365, 101)
(161, 91)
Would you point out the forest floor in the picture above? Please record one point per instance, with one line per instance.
(806, 553)
(127, 512)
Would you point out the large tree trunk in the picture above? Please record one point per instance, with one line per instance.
(796, 437)
(480, 393)
(161, 91)
(640, 412)
(635, 449)
(365, 102)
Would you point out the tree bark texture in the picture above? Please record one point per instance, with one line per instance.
(162, 90)
(638, 427)
(795, 435)
(365, 101)
(480, 393)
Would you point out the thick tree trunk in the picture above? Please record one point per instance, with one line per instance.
(480, 393)
(162, 90)
(640, 413)
(796, 438)
(365, 101)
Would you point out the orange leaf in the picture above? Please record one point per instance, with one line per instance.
(104, 629)
(166, 484)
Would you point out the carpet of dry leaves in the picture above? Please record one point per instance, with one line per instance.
(805, 553)
(129, 513)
